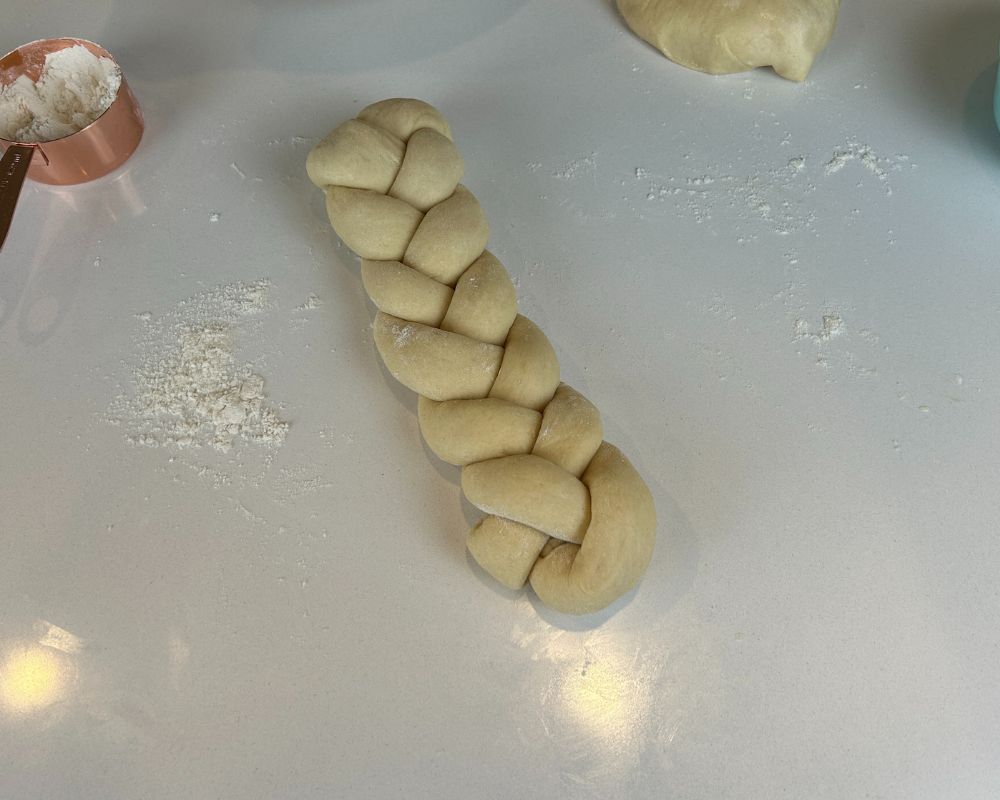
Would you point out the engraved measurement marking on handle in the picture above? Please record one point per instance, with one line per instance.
(15, 161)
(13, 168)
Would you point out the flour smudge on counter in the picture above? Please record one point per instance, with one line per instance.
(577, 167)
(778, 200)
(879, 166)
(188, 389)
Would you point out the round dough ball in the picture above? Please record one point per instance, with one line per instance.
(720, 36)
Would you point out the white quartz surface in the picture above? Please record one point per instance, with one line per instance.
(783, 297)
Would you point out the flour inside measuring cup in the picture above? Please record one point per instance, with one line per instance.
(74, 89)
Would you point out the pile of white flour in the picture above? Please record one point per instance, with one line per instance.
(189, 390)
(74, 89)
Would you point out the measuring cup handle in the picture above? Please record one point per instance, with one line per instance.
(13, 167)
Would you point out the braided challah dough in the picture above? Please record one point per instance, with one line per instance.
(565, 509)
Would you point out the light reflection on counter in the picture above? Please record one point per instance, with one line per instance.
(33, 677)
(602, 699)
(36, 674)
(605, 704)
(98, 204)
(179, 653)
(44, 284)
(613, 701)
(598, 691)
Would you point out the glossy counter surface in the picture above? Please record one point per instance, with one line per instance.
(782, 297)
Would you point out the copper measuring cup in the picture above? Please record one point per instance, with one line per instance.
(92, 152)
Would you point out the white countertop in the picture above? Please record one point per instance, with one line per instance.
(784, 299)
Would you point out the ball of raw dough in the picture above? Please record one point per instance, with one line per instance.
(720, 36)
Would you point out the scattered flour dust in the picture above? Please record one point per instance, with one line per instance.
(311, 303)
(774, 197)
(189, 390)
(779, 197)
(879, 166)
(833, 326)
(575, 168)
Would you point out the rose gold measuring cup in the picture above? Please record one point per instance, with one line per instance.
(92, 152)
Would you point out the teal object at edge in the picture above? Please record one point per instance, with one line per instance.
(996, 98)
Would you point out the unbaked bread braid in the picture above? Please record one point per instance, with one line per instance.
(565, 510)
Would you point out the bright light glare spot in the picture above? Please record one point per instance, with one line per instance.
(604, 700)
(32, 678)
